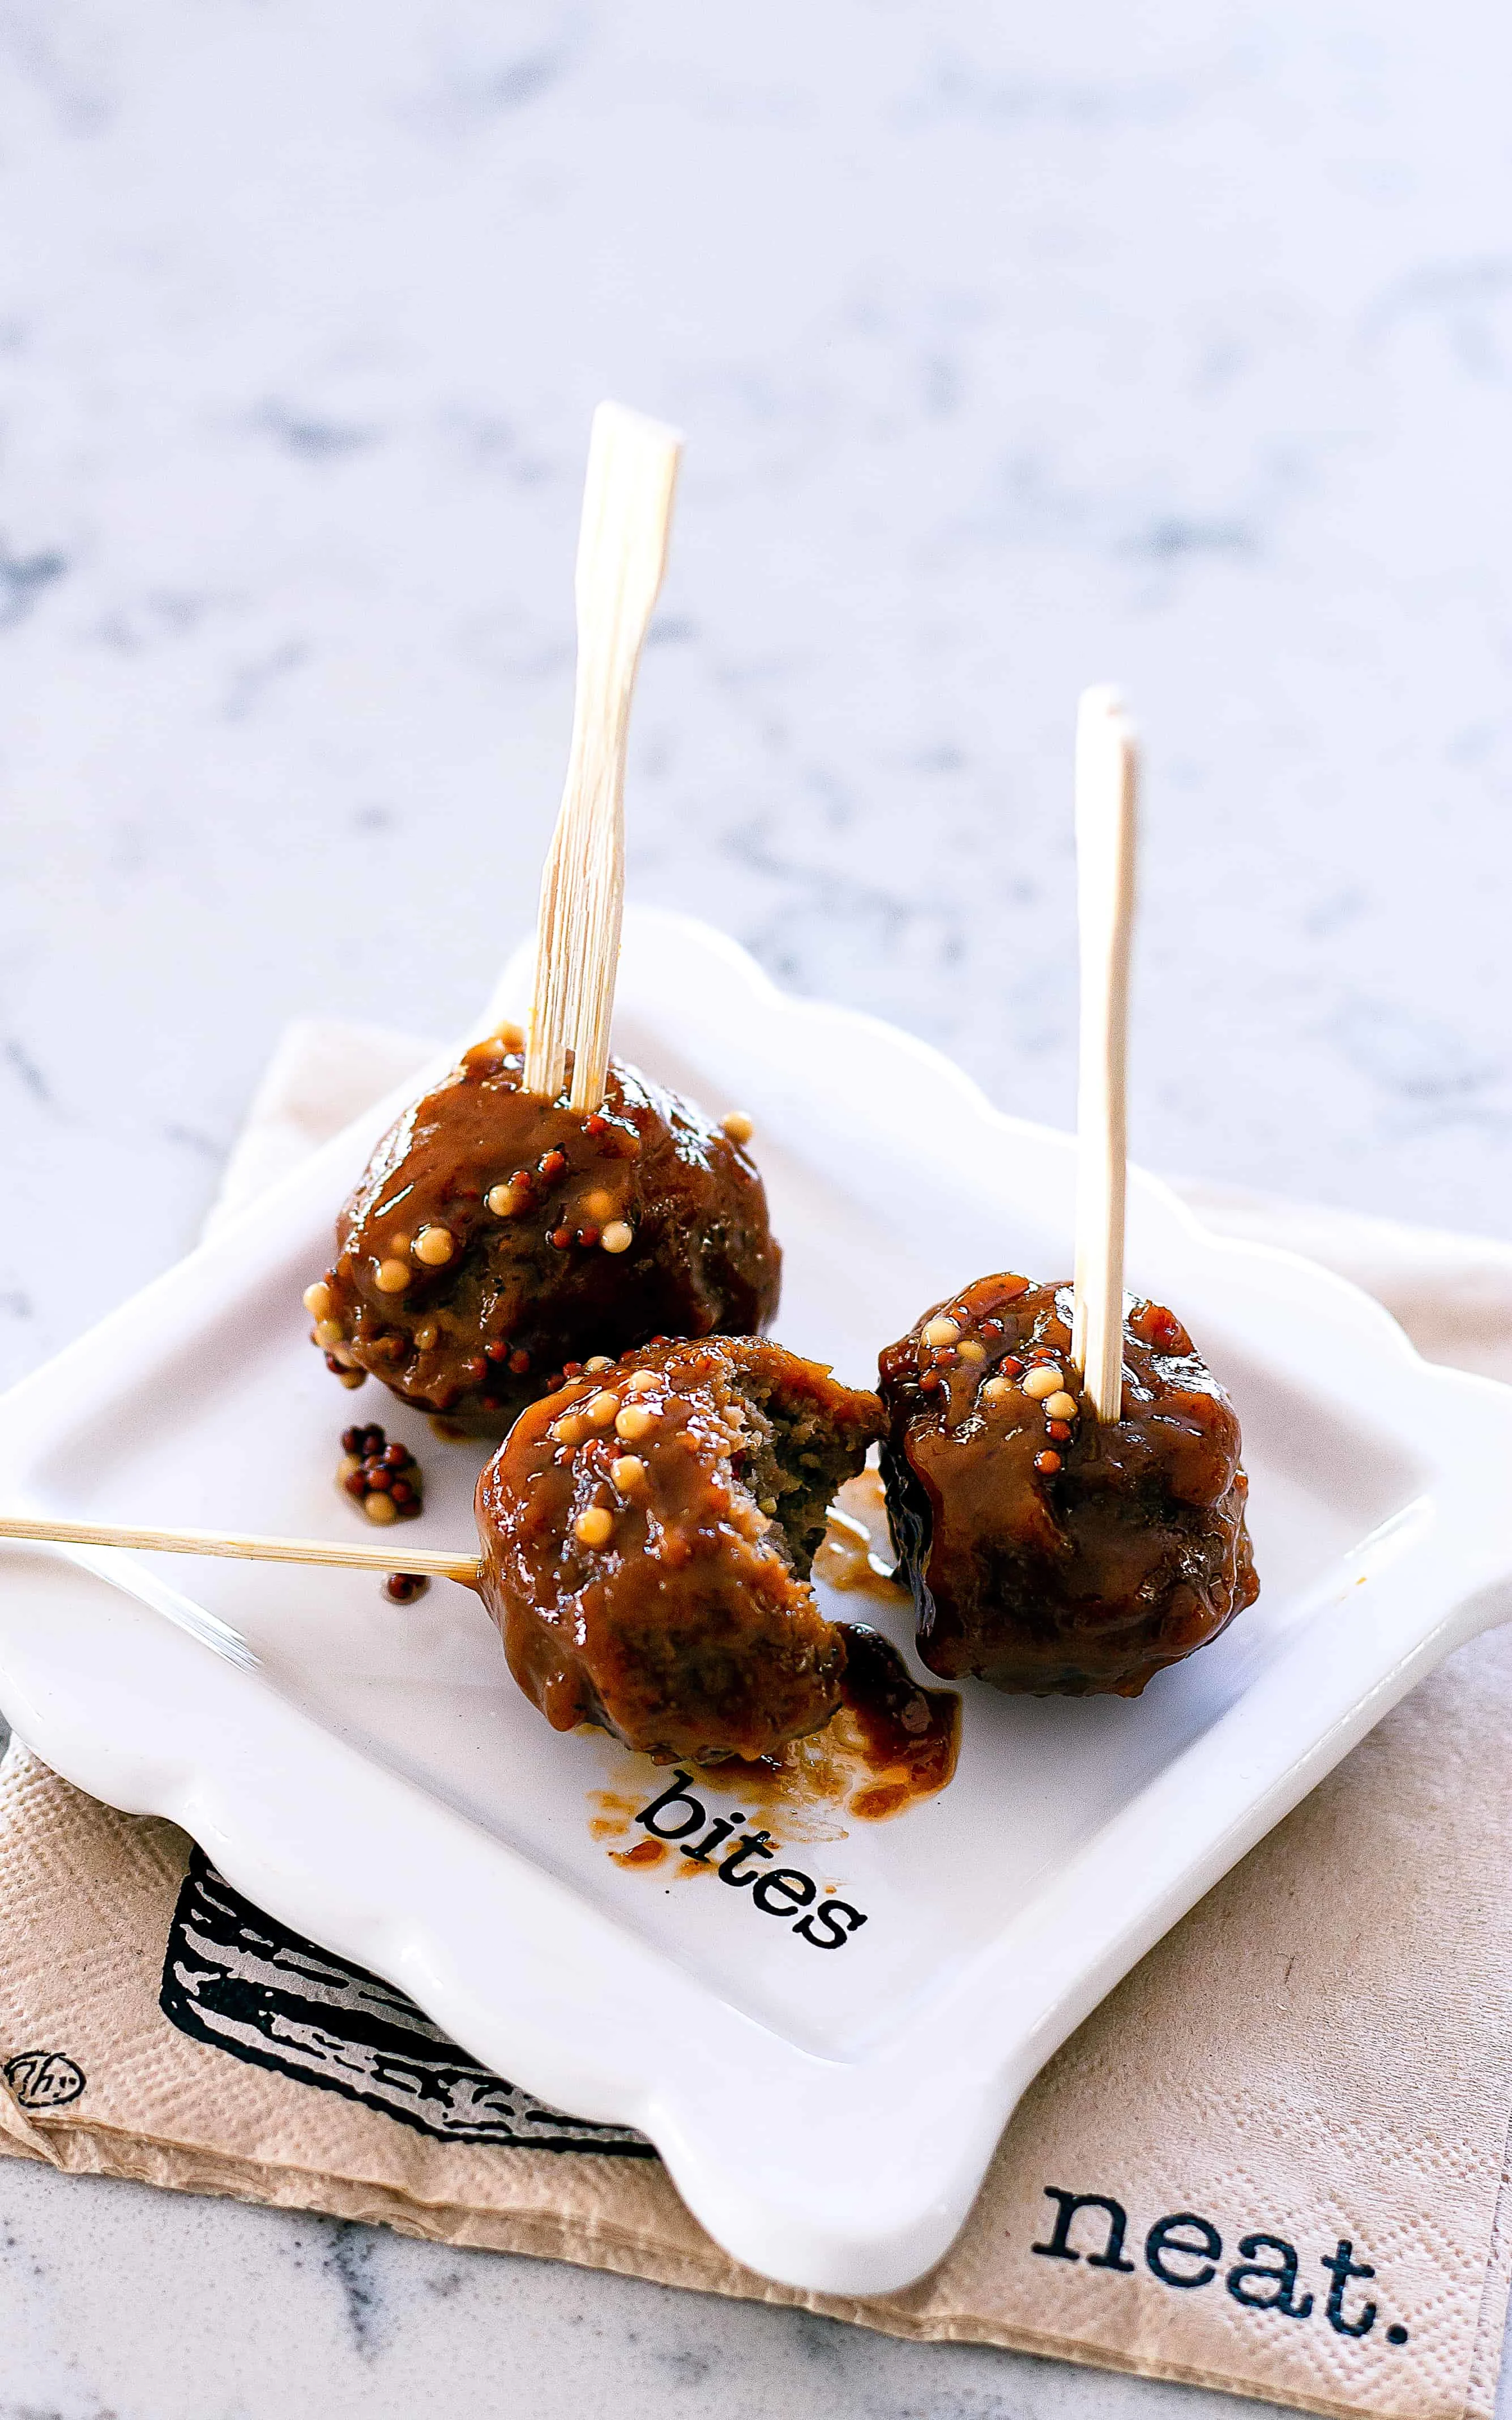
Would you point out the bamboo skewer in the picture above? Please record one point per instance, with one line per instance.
(622, 553)
(432, 1561)
(1106, 789)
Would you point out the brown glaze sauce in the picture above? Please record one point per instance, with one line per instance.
(645, 1852)
(911, 1737)
(519, 1237)
(646, 1535)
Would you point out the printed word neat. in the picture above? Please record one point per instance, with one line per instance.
(1187, 2251)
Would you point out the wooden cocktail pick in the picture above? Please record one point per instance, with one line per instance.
(622, 553)
(431, 1561)
(1107, 791)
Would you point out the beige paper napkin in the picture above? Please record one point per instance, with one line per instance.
(1274, 2161)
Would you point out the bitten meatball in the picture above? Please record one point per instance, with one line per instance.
(646, 1540)
(496, 1241)
(1047, 1551)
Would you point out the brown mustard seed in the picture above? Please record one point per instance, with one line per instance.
(1059, 1432)
(402, 1587)
(1047, 1464)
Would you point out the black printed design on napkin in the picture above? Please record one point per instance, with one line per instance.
(245, 1983)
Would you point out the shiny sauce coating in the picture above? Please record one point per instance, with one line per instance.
(495, 1239)
(647, 1535)
(1047, 1551)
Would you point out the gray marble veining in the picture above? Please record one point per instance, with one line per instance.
(1014, 348)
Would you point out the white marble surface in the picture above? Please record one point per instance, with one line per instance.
(1015, 348)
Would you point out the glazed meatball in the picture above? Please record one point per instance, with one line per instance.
(1047, 1551)
(647, 1534)
(495, 1241)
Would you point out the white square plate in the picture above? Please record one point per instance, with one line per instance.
(370, 1774)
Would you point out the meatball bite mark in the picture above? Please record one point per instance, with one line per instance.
(663, 1593)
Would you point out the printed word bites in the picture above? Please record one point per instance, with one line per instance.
(748, 1862)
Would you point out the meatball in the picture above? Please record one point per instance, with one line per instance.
(646, 1540)
(1047, 1551)
(496, 1241)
